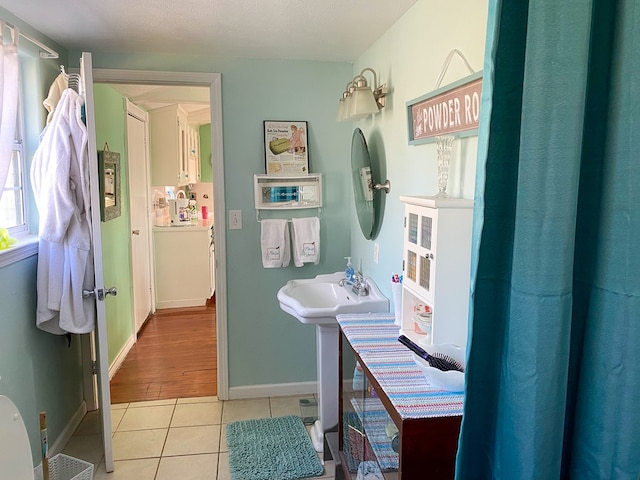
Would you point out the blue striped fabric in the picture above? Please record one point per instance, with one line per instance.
(376, 421)
(375, 338)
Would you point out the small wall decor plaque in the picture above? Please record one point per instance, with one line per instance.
(451, 110)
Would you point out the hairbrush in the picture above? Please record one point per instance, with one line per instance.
(439, 360)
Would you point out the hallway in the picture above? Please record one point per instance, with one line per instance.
(175, 357)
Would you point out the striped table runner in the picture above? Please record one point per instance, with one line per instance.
(375, 338)
(376, 420)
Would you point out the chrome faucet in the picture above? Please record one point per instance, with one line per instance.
(358, 286)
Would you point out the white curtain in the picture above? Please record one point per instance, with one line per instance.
(8, 100)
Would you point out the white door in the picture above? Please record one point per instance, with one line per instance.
(139, 205)
(102, 359)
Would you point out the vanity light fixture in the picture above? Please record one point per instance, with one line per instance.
(343, 104)
(359, 100)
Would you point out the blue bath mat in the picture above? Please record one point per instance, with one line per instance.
(271, 449)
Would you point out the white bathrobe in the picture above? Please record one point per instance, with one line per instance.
(55, 92)
(60, 179)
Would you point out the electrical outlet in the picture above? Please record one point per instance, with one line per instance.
(235, 219)
(376, 252)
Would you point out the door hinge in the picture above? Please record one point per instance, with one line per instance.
(94, 368)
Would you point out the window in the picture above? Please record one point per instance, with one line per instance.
(12, 203)
(15, 198)
(12, 212)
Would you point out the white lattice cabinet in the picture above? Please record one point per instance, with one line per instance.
(436, 260)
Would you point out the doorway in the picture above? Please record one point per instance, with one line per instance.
(138, 162)
(213, 83)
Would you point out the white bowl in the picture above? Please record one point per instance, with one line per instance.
(452, 380)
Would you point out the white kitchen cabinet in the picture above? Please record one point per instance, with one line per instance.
(436, 262)
(169, 146)
(182, 266)
(193, 154)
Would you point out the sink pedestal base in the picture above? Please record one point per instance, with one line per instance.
(318, 301)
(317, 436)
(327, 364)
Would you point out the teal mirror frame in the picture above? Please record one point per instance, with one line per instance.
(362, 184)
(110, 193)
(368, 204)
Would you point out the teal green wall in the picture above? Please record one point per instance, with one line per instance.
(206, 169)
(37, 370)
(409, 58)
(267, 346)
(111, 128)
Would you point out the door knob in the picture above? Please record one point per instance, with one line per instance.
(100, 294)
(135, 232)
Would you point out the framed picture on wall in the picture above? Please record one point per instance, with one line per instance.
(286, 149)
(109, 175)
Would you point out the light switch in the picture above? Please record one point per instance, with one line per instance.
(235, 219)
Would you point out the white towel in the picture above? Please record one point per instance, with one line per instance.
(59, 85)
(274, 242)
(305, 237)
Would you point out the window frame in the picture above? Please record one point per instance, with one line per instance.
(27, 244)
(22, 228)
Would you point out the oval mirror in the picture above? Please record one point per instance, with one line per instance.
(362, 183)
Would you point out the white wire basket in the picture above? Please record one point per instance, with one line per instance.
(64, 467)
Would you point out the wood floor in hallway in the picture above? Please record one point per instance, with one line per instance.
(175, 357)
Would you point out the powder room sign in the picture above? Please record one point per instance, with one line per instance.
(450, 110)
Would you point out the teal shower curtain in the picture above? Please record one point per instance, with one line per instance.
(553, 377)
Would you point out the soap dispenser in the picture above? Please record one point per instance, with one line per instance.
(348, 271)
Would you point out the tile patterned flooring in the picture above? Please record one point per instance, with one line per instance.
(172, 439)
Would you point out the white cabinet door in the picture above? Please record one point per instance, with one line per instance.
(168, 145)
(181, 257)
(420, 238)
(137, 121)
(193, 154)
(437, 259)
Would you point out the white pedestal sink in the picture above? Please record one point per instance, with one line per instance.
(318, 301)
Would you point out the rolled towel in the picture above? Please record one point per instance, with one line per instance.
(305, 237)
(274, 243)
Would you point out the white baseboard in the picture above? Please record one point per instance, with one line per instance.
(273, 390)
(191, 302)
(67, 432)
(117, 362)
(64, 437)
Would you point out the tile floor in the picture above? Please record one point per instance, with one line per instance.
(173, 439)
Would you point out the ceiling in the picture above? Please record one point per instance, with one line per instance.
(321, 30)
(316, 30)
(194, 100)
